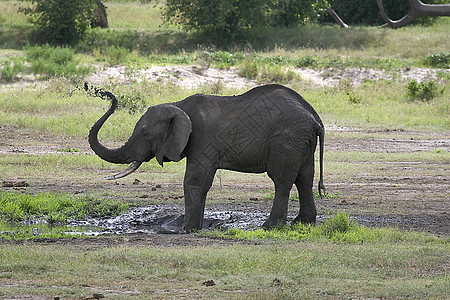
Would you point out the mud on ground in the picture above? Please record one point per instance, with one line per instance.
(406, 194)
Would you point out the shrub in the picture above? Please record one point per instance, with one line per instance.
(276, 74)
(249, 69)
(134, 102)
(51, 61)
(117, 55)
(9, 69)
(441, 60)
(308, 62)
(425, 90)
(341, 223)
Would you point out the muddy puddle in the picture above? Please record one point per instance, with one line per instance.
(168, 219)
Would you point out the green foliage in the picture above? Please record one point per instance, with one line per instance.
(225, 21)
(276, 74)
(308, 62)
(134, 101)
(117, 55)
(440, 60)
(10, 68)
(267, 70)
(341, 223)
(62, 22)
(55, 208)
(340, 228)
(249, 68)
(426, 90)
(69, 150)
(54, 61)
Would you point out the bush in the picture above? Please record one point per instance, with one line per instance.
(51, 61)
(441, 60)
(9, 69)
(134, 102)
(117, 55)
(62, 22)
(425, 90)
(341, 223)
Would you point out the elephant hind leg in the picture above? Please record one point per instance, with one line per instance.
(278, 214)
(304, 183)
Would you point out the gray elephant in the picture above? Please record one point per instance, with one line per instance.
(267, 129)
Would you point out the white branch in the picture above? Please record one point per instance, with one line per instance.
(418, 9)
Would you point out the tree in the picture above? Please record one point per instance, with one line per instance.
(62, 22)
(100, 17)
(418, 9)
(225, 21)
(366, 12)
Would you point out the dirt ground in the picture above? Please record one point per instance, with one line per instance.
(410, 195)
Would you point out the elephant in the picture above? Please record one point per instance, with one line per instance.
(268, 129)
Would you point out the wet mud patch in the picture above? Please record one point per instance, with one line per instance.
(168, 219)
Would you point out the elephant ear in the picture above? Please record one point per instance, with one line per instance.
(178, 130)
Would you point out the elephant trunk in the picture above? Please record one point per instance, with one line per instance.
(117, 156)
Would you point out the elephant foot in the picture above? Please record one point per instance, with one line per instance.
(272, 223)
(305, 219)
(190, 229)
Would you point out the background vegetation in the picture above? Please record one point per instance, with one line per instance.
(61, 22)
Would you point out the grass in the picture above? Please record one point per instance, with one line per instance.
(57, 109)
(44, 215)
(382, 269)
(339, 228)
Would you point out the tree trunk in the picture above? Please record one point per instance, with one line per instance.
(100, 18)
(418, 9)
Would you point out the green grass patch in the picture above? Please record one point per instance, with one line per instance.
(45, 215)
(55, 208)
(339, 228)
(62, 110)
(391, 269)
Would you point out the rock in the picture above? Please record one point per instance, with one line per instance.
(209, 283)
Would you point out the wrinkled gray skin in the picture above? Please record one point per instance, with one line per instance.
(267, 129)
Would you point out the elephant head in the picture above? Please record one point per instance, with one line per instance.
(163, 131)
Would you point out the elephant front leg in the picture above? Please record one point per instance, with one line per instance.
(197, 183)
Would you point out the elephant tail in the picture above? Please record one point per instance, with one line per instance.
(321, 186)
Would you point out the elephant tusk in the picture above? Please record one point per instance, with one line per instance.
(133, 167)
